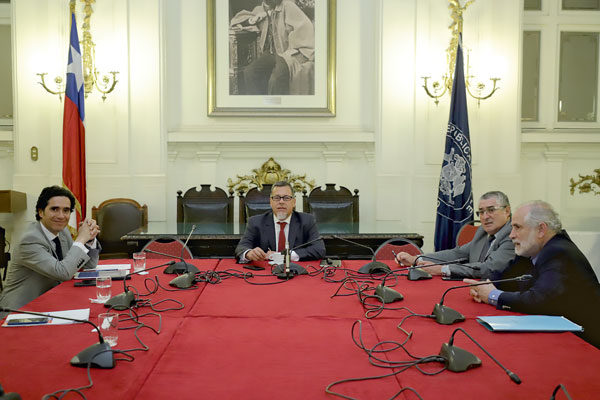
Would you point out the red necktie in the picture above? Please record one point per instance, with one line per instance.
(281, 242)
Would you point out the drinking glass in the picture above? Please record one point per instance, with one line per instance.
(103, 285)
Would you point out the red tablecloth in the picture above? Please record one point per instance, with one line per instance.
(288, 340)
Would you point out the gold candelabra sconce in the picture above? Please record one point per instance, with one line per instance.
(587, 183)
(476, 89)
(91, 80)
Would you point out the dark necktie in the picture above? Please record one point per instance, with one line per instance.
(59, 254)
(281, 242)
(486, 248)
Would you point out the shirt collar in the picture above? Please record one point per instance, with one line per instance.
(51, 236)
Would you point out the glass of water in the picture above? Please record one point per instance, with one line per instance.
(103, 285)
(139, 261)
(109, 327)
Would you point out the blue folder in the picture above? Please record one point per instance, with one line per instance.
(529, 323)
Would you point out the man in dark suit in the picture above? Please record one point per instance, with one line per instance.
(47, 255)
(490, 250)
(267, 234)
(563, 282)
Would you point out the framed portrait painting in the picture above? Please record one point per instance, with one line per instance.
(271, 58)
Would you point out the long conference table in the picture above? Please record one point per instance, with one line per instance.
(287, 339)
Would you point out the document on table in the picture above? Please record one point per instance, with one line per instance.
(83, 314)
(528, 323)
(113, 267)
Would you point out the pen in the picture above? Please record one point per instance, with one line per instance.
(395, 255)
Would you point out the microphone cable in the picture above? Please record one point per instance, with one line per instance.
(374, 360)
(61, 393)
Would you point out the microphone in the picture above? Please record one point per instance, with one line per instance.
(373, 267)
(447, 316)
(285, 270)
(415, 273)
(180, 267)
(127, 299)
(460, 360)
(9, 396)
(99, 355)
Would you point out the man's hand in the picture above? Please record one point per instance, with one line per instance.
(406, 259)
(88, 230)
(480, 293)
(256, 254)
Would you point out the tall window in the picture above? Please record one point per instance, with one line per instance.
(560, 65)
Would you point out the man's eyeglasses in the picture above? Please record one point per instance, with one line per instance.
(284, 198)
(488, 210)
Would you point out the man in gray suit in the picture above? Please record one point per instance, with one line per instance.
(491, 249)
(267, 233)
(47, 255)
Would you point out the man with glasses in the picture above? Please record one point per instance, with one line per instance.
(47, 255)
(490, 250)
(268, 233)
(563, 281)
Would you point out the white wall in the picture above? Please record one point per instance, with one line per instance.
(152, 135)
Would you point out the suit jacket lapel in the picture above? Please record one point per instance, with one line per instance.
(270, 230)
(294, 231)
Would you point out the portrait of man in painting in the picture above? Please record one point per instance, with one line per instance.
(271, 47)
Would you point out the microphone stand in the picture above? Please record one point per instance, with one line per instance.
(371, 268)
(99, 355)
(288, 269)
(180, 267)
(415, 273)
(460, 360)
(447, 316)
(127, 299)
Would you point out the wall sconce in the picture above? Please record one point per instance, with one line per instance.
(444, 85)
(90, 73)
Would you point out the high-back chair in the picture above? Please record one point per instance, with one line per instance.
(117, 217)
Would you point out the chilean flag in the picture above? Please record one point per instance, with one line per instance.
(74, 129)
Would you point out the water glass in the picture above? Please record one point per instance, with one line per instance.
(103, 285)
(109, 327)
(139, 261)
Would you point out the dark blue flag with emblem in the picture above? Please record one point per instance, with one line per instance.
(455, 195)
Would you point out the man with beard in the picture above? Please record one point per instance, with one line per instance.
(563, 281)
(268, 233)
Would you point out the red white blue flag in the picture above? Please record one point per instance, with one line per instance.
(455, 195)
(74, 177)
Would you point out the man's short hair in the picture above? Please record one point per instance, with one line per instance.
(50, 192)
(282, 184)
(540, 211)
(500, 197)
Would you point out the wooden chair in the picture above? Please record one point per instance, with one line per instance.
(332, 205)
(255, 202)
(205, 208)
(116, 217)
(466, 234)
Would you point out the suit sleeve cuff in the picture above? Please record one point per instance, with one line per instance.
(243, 259)
(493, 297)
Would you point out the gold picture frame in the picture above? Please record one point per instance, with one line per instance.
(223, 97)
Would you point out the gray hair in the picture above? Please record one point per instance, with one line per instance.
(282, 184)
(500, 197)
(540, 211)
